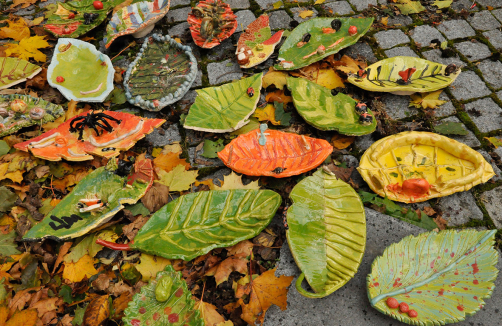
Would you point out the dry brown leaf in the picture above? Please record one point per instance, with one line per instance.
(341, 173)
(39, 81)
(169, 161)
(120, 287)
(130, 230)
(19, 300)
(278, 96)
(222, 271)
(342, 141)
(66, 320)
(208, 313)
(349, 65)
(120, 304)
(63, 250)
(45, 305)
(156, 197)
(429, 211)
(97, 311)
(244, 248)
(264, 239)
(102, 282)
(441, 223)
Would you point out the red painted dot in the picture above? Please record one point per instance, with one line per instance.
(142, 310)
(475, 282)
(173, 318)
(179, 293)
(452, 254)
(135, 322)
(156, 316)
(167, 310)
(392, 303)
(376, 284)
(460, 307)
(403, 307)
(475, 298)
(419, 291)
(441, 292)
(412, 313)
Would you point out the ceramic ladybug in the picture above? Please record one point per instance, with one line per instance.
(361, 108)
(250, 92)
(365, 119)
(278, 170)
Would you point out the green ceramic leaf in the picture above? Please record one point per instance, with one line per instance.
(443, 276)
(224, 108)
(178, 310)
(327, 232)
(293, 57)
(14, 71)
(327, 112)
(7, 244)
(194, 224)
(404, 76)
(66, 221)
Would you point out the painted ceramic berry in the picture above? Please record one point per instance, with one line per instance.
(250, 92)
(403, 307)
(59, 79)
(98, 5)
(392, 303)
(416, 187)
(412, 313)
(18, 105)
(352, 30)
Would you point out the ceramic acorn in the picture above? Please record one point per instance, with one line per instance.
(417, 166)
(161, 74)
(91, 133)
(405, 76)
(14, 71)
(435, 278)
(211, 22)
(137, 19)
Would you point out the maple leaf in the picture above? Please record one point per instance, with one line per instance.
(234, 181)
(266, 114)
(16, 30)
(150, 266)
(25, 3)
(274, 77)
(84, 267)
(349, 65)
(208, 313)
(28, 48)
(169, 161)
(178, 179)
(427, 100)
(306, 13)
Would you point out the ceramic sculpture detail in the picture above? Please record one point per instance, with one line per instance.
(435, 278)
(211, 22)
(14, 71)
(95, 200)
(327, 232)
(137, 19)
(103, 134)
(417, 166)
(405, 75)
(161, 74)
(280, 155)
(80, 72)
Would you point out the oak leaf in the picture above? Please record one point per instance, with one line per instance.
(76, 272)
(151, 265)
(427, 100)
(209, 314)
(97, 311)
(16, 30)
(234, 181)
(28, 48)
(266, 114)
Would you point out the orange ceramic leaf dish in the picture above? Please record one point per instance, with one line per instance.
(62, 143)
(283, 155)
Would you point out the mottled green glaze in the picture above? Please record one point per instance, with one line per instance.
(327, 112)
(194, 224)
(327, 232)
(290, 52)
(14, 71)
(443, 276)
(178, 310)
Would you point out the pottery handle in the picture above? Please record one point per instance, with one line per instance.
(114, 246)
(306, 293)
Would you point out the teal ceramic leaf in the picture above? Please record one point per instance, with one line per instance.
(194, 224)
(176, 308)
(443, 276)
(327, 232)
(327, 112)
(224, 108)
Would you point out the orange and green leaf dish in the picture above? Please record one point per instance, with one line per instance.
(14, 71)
(257, 44)
(211, 22)
(62, 143)
(417, 166)
(435, 278)
(283, 154)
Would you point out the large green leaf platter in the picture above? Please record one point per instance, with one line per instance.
(225, 108)
(405, 75)
(324, 111)
(442, 277)
(14, 71)
(324, 40)
(112, 186)
(327, 232)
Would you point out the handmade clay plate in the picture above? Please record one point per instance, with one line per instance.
(300, 50)
(435, 278)
(405, 76)
(19, 111)
(161, 74)
(137, 19)
(283, 155)
(417, 166)
(80, 72)
(14, 71)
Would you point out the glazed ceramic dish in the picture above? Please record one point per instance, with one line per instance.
(14, 71)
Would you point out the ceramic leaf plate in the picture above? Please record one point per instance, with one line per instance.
(80, 72)
(283, 155)
(327, 232)
(211, 22)
(166, 300)
(441, 277)
(300, 50)
(225, 108)
(405, 75)
(14, 71)
(95, 200)
(257, 44)
(194, 224)
(161, 74)
(75, 18)
(327, 112)
(19, 111)
(417, 166)
(63, 142)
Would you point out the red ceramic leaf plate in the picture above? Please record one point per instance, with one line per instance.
(61, 143)
(283, 155)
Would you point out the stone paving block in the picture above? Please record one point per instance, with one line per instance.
(162, 137)
(454, 29)
(496, 169)
(268, 4)
(363, 4)
(445, 109)
(352, 161)
(220, 72)
(187, 101)
(460, 5)
(435, 56)
(196, 158)
(467, 86)
(340, 8)
(175, 3)
(469, 139)
(483, 21)
(498, 151)
(46, 3)
(498, 14)
(391, 38)
(491, 3)
(364, 142)
(425, 34)
(349, 305)
(400, 51)
(178, 15)
(460, 208)
(279, 20)
(296, 14)
(361, 49)
(397, 106)
(26, 11)
(194, 137)
(198, 80)
(492, 72)
(492, 199)
(499, 95)
(238, 4)
(221, 51)
(486, 114)
(178, 30)
(244, 18)
(494, 37)
(399, 20)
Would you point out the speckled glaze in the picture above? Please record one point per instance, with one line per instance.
(14, 71)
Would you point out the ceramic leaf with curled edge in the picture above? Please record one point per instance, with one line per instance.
(14, 71)
(443, 276)
(327, 232)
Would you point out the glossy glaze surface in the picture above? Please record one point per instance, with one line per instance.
(14, 71)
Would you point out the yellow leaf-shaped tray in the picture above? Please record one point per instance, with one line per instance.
(417, 166)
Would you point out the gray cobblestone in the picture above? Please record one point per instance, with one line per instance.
(244, 18)
(196, 159)
(296, 14)
(238, 4)
(340, 8)
(498, 151)
(179, 30)
(268, 4)
(492, 199)
(401, 51)
(435, 56)
(219, 72)
(279, 20)
(391, 38)
(492, 72)
(468, 86)
(46, 3)
(364, 142)
(170, 135)
(26, 11)
(178, 15)
(221, 51)
(198, 80)
(397, 106)
(486, 114)
(175, 3)
(425, 34)
(499, 95)
(454, 29)
(361, 49)
(498, 14)
(474, 51)
(483, 21)
(460, 208)
(491, 3)
(494, 37)
(363, 4)
(469, 139)
(496, 169)
(399, 20)
(460, 5)
(445, 109)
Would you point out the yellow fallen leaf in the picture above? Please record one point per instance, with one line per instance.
(179, 179)
(16, 30)
(497, 142)
(16, 176)
(266, 114)
(328, 78)
(349, 65)
(25, 3)
(306, 13)
(426, 100)
(172, 148)
(208, 182)
(277, 4)
(274, 77)
(151, 265)
(318, 2)
(169, 161)
(34, 22)
(441, 4)
(28, 48)
(208, 313)
(75, 272)
(178, 40)
(385, 20)
(234, 181)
